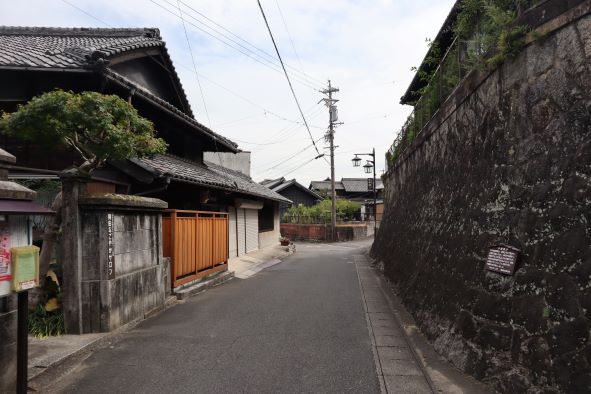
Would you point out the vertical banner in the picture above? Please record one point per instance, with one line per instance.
(110, 248)
(5, 269)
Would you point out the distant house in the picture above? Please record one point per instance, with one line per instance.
(355, 189)
(135, 65)
(292, 190)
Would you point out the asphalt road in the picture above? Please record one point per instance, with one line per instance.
(298, 326)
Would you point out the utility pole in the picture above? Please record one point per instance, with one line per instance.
(332, 122)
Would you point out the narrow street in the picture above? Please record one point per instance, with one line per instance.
(299, 326)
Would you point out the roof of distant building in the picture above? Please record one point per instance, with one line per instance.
(207, 174)
(349, 185)
(279, 184)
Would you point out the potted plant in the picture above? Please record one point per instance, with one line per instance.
(284, 241)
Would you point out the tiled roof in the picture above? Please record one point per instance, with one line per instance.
(325, 185)
(359, 185)
(48, 47)
(209, 175)
(271, 183)
(349, 185)
(280, 184)
(81, 48)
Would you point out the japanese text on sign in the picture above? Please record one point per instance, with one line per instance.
(110, 251)
(502, 259)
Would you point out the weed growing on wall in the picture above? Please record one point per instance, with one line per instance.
(485, 36)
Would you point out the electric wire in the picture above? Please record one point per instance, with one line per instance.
(194, 64)
(202, 76)
(87, 14)
(246, 53)
(262, 51)
(287, 76)
(291, 41)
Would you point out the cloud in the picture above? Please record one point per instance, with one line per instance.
(365, 47)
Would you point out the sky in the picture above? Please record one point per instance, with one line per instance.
(365, 47)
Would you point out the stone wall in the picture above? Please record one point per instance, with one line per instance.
(506, 160)
(123, 274)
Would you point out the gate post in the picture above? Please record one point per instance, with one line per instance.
(73, 185)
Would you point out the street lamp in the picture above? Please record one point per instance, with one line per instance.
(367, 168)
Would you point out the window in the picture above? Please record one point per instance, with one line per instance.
(267, 217)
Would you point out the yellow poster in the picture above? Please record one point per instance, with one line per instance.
(25, 267)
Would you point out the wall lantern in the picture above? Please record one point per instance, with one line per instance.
(356, 161)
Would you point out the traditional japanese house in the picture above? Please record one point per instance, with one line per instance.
(292, 190)
(135, 65)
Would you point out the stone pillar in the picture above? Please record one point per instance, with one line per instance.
(73, 185)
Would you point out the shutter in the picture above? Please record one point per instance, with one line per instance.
(232, 240)
(252, 229)
(241, 231)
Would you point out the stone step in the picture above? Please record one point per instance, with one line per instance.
(208, 282)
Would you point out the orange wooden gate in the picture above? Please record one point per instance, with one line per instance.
(196, 242)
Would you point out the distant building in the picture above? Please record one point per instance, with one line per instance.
(354, 189)
(292, 190)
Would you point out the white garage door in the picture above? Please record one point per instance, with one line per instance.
(241, 231)
(252, 229)
(232, 240)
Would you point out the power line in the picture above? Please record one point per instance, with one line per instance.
(203, 76)
(194, 64)
(246, 52)
(283, 161)
(87, 13)
(267, 54)
(287, 77)
(291, 40)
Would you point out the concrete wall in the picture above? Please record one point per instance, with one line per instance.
(137, 281)
(506, 160)
(8, 315)
(234, 161)
(269, 238)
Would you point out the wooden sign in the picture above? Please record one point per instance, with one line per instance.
(25, 266)
(370, 184)
(502, 259)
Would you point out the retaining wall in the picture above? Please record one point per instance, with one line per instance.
(506, 160)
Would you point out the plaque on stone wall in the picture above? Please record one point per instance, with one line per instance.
(502, 259)
(110, 248)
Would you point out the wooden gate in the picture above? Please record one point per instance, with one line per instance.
(196, 242)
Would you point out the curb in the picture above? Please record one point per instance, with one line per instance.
(203, 285)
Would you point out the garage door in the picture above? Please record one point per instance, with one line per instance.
(232, 240)
(252, 229)
(241, 231)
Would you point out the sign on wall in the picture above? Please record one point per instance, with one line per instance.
(502, 259)
(5, 266)
(110, 248)
(25, 267)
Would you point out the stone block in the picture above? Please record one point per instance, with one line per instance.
(562, 295)
(528, 312)
(466, 325)
(494, 336)
(568, 336)
(493, 307)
